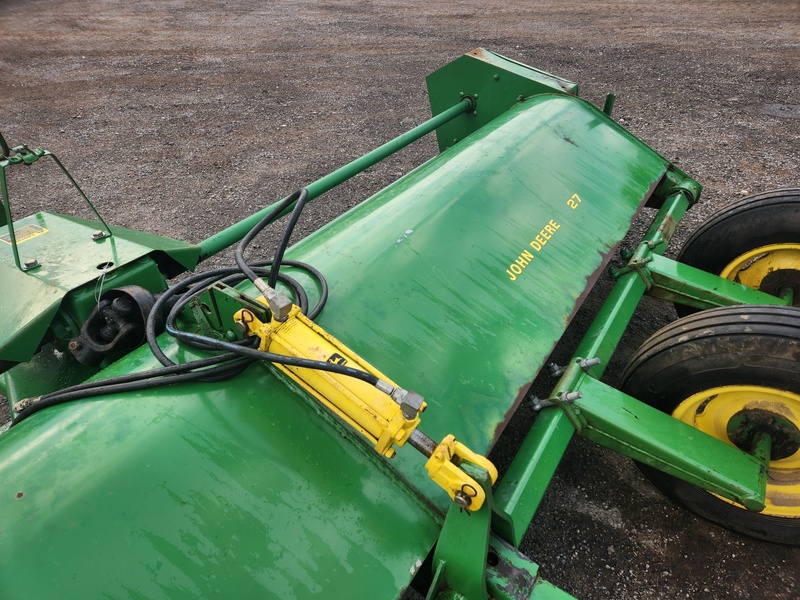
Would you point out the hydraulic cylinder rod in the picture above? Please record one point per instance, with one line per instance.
(227, 237)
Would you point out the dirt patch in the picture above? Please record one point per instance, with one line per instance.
(181, 117)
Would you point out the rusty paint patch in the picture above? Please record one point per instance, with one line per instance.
(784, 499)
(510, 572)
(784, 476)
(522, 393)
(478, 53)
(591, 280)
(668, 227)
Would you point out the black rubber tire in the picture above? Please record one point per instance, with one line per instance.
(768, 218)
(735, 345)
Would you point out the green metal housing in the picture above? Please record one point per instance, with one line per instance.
(70, 280)
(456, 281)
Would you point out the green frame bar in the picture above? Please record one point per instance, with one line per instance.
(227, 237)
(470, 562)
(681, 283)
(22, 155)
(520, 492)
(626, 425)
(613, 419)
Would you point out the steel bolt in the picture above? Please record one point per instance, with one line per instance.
(570, 396)
(462, 499)
(538, 404)
(98, 234)
(31, 263)
(554, 370)
(588, 363)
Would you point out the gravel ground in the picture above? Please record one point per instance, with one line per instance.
(180, 117)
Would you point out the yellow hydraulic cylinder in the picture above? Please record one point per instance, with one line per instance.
(374, 413)
(384, 413)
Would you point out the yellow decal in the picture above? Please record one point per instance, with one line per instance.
(24, 234)
(538, 243)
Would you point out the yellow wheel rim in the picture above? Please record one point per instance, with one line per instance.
(753, 267)
(712, 409)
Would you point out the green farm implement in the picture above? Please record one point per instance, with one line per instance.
(317, 421)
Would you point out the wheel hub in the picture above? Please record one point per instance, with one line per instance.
(773, 269)
(737, 414)
(744, 425)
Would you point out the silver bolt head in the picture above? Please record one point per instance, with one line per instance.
(462, 499)
(98, 234)
(31, 263)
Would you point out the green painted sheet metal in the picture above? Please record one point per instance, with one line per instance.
(496, 83)
(241, 488)
(421, 274)
(69, 259)
(232, 490)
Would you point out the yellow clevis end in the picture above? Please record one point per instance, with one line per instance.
(443, 468)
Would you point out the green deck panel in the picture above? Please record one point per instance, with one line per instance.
(244, 488)
(237, 490)
(418, 273)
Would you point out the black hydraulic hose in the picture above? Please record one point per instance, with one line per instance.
(108, 388)
(302, 198)
(320, 279)
(282, 359)
(236, 356)
(229, 276)
(120, 379)
(245, 241)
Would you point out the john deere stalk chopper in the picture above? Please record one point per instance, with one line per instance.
(315, 422)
